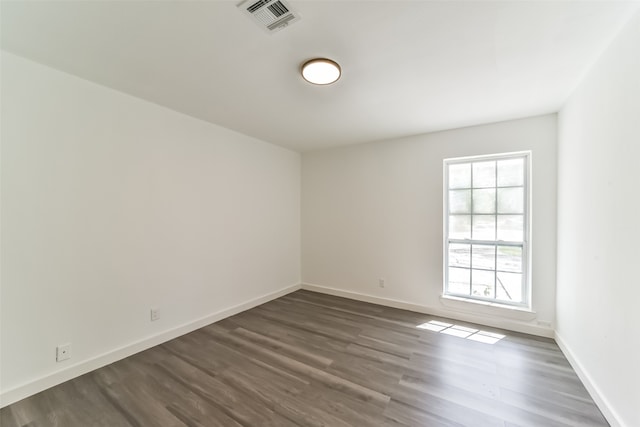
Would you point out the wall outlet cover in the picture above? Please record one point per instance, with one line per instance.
(63, 352)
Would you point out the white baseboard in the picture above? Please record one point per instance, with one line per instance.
(40, 384)
(483, 319)
(28, 389)
(603, 404)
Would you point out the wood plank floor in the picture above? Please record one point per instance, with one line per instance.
(308, 359)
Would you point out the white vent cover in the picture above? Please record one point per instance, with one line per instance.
(272, 15)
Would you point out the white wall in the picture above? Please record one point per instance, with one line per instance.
(112, 205)
(375, 210)
(598, 295)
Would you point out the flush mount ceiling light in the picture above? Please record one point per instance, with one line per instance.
(321, 71)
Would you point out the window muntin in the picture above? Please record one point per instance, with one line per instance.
(486, 228)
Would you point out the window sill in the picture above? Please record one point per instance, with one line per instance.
(487, 307)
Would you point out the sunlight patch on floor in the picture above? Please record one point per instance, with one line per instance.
(461, 331)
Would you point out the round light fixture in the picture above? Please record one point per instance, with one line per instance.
(321, 71)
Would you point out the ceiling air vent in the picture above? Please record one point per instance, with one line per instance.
(272, 15)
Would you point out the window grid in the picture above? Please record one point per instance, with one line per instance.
(495, 243)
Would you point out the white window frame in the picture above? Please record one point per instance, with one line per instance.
(525, 244)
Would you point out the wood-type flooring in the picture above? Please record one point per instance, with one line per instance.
(308, 359)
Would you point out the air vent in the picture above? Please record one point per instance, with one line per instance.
(272, 15)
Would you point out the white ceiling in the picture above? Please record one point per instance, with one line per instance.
(409, 67)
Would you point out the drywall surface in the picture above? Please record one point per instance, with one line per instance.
(375, 211)
(598, 233)
(112, 206)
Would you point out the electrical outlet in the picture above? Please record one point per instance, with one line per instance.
(155, 314)
(63, 352)
(381, 282)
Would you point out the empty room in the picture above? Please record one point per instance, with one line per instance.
(319, 213)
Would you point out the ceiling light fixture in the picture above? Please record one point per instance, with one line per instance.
(321, 71)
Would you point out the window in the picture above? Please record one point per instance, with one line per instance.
(487, 228)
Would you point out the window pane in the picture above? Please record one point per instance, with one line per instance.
(510, 200)
(483, 283)
(509, 259)
(484, 227)
(460, 176)
(459, 226)
(459, 280)
(509, 287)
(510, 228)
(484, 257)
(484, 201)
(484, 174)
(510, 172)
(459, 255)
(487, 222)
(460, 201)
